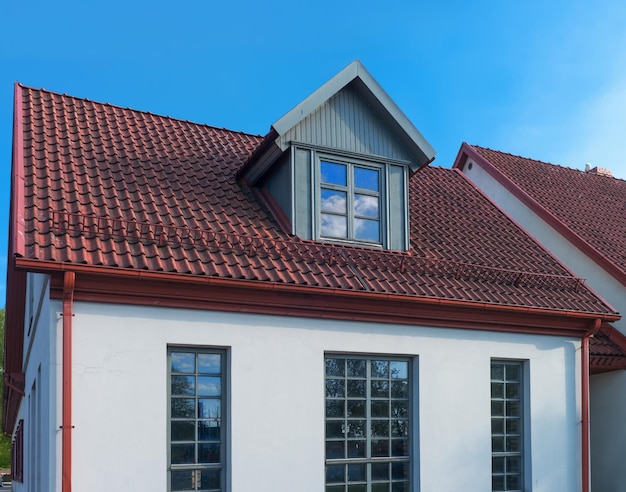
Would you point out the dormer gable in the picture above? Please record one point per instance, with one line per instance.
(337, 165)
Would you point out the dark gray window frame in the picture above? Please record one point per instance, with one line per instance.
(501, 432)
(224, 449)
(412, 461)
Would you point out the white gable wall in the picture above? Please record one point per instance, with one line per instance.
(276, 429)
(607, 400)
(39, 408)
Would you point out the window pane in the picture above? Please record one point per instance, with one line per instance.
(335, 367)
(356, 408)
(183, 385)
(380, 389)
(333, 173)
(366, 206)
(210, 363)
(356, 449)
(211, 478)
(183, 408)
(367, 179)
(335, 450)
(335, 388)
(183, 453)
(400, 471)
(182, 480)
(209, 453)
(183, 362)
(367, 230)
(399, 370)
(356, 473)
(209, 430)
(356, 368)
(209, 408)
(335, 474)
(399, 389)
(380, 368)
(334, 226)
(183, 431)
(334, 201)
(209, 386)
(335, 408)
(356, 388)
(380, 471)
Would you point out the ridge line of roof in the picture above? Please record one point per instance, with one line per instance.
(539, 161)
(140, 111)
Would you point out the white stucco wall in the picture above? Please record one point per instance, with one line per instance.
(276, 428)
(608, 405)
(38, 408)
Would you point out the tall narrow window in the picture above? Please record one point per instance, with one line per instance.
(350, 202)
(368, 424)
(507, 442)
(196, 411)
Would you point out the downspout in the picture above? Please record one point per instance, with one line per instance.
(585, 405)
(68, 301)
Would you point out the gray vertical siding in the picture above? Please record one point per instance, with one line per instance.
(346, 122)
(303, 185)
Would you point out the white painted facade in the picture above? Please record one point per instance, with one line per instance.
(275, 398)
(607, 391)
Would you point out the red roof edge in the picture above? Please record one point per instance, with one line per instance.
(16, 280)
(17, 175)
(468, 151)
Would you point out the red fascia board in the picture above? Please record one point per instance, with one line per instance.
(467, 151)
(96, 283)
(17, 176)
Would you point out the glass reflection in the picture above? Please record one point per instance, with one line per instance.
(333, 201)
(366, 230)
(366, 206)
(333, 173)
(209, 408)
(334, 226)
(210, 363)
(209, 386)
(183, 362)
(367, 179)
(183, 385)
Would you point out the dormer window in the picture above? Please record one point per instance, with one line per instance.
(350, 202)
(336, 167)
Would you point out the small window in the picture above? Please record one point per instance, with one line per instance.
(507, 426)
(196, 420)
(368, 424)
(351, 202)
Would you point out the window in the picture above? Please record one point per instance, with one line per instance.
(507, 441)
(196, 417)
(350, 202)
(17, 453)
(368, 424)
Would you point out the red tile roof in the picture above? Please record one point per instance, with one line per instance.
(591, 205)
(109, 186)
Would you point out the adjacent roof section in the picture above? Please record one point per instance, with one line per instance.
(357, 79)
(109, 187)
(587, 207)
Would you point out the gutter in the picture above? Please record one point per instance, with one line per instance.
(69, 279)
(585, 405)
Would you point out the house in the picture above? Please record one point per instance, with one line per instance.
(580, 217)
(193, 308)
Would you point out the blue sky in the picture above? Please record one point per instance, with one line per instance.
(543, 79)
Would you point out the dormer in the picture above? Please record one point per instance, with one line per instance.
(337, 165)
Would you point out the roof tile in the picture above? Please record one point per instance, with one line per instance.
(115, 187)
